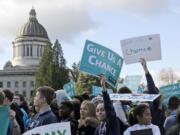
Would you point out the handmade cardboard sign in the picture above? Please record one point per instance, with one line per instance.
(147, 47)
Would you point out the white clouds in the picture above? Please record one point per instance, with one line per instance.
(67, 19)
(2, 50)
(62, 19)
(139, 7)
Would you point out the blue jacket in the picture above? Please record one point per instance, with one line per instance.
(158, 115)
(170, 120)
(45, 118)
(111, 126)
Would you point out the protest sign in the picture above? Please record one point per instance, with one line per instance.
(4, 119)
(132, 82)
(70, 88)
(140, 89)
(169, 91)
(97, 59)
(62, 128)
(98, 90)
(147, 131)
(147, 47)
(134, 97)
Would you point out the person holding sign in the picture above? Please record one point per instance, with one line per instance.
(106, 115)
(143, 115)
(157, 108)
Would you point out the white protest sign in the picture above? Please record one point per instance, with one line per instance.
(62, 128)
(147, 47)
(134, 97)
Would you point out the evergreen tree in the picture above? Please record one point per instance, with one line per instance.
(59, 69)
(52, 71)
(58, 57)
(44, 74)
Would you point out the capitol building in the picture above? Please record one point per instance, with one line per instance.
(18, 75)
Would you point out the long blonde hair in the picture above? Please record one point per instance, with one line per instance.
(90, 112)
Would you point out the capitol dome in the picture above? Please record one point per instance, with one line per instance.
(32, 28)
(29, 44)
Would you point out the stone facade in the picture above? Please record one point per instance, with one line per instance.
(28, 47)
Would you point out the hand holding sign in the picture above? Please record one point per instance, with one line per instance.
(144, 65)
(103, 81)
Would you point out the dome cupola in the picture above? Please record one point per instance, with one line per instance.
(32, 28)
(29, 44)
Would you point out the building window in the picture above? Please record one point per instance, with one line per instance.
(16, 84)
(24, 83)
(24, 93)
(31, 83)
(41, 51)
(8, 84)
(38, 50)
(31, 51)
(1, 84)
(16, 92)
(31, 93)
(27, 50)
(23, 50)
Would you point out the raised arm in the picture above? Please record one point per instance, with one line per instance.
(150, 82)
(110, 112)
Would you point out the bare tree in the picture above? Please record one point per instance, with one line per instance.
(168, 76)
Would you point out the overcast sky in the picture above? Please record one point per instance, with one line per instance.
(102, 21)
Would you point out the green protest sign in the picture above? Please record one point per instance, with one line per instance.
(4, 119)
(132, 82)
(62, 128)
(70, 88)
(97, 59)
(169, 91)
(98, 90)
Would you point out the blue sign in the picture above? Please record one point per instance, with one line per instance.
(97, 59)
(98, 91)
(70, 88)
(169, 91)
(4, 119)
(140, 89)
(132, 82)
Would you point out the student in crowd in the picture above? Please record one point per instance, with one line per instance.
(65, 111)
(175, 130)
(105, 113)
(123, 108)
(19, 116)
(173, 105)
(22, 104)
(88, 121)
(2, 97)
(13, 127)
(76, 110)
(42, 100)
(157, 108)
(61, 95)
(143, 115)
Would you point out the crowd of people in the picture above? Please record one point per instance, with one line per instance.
(90, 115)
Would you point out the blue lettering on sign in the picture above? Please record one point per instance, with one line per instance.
(139, 50)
